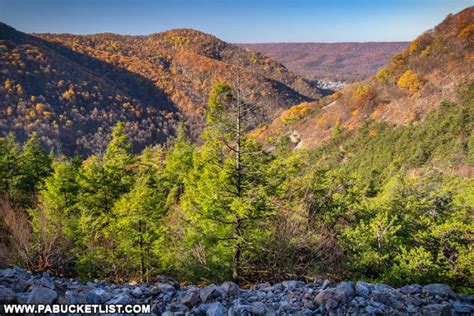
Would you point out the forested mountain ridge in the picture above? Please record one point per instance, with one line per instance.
(347, 62)
(61, 94)
(434, 67)
(72, 89)
(190, 53)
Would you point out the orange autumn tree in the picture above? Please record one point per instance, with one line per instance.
(410, 81)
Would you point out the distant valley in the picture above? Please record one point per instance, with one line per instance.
(347, 62)
(435, 67)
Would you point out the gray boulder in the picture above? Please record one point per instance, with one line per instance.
(122, 299)
(191, 299)
(261, 286)
(103, 294)
(240, 309)
(136, 292)
(347, 287)
(158, 308)
(383, 288)
(411, 289)
(46, 281)
(258, 308)
(436, 310)
(462, 308)
(164, 287)
(363, 289)
(22, 298)
(42, 295)
(216, 309)
(210, 292)
(383, 293)
(439, 289)
(8, 273)
(466, 299)
(230, 289)
(375, 308)
(6, 295)
(20, 285)
(291, 284)
(359, 301)
(92, 298)
(330, 298)
(326, 284)
(72, 297)
(308, 304)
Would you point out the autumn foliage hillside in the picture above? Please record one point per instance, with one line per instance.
(72, 89)
(435, 67)
(186, 64)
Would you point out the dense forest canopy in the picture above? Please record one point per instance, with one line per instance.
(231, 209)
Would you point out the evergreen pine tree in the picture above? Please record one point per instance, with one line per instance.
(9, 166)
(228, 195)
(55, 217)
(103, 181)
(35, 165)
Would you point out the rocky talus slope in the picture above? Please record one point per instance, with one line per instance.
(167, 297)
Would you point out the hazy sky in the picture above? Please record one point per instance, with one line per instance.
(236, 21)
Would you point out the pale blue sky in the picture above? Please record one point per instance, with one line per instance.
(236, 21)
